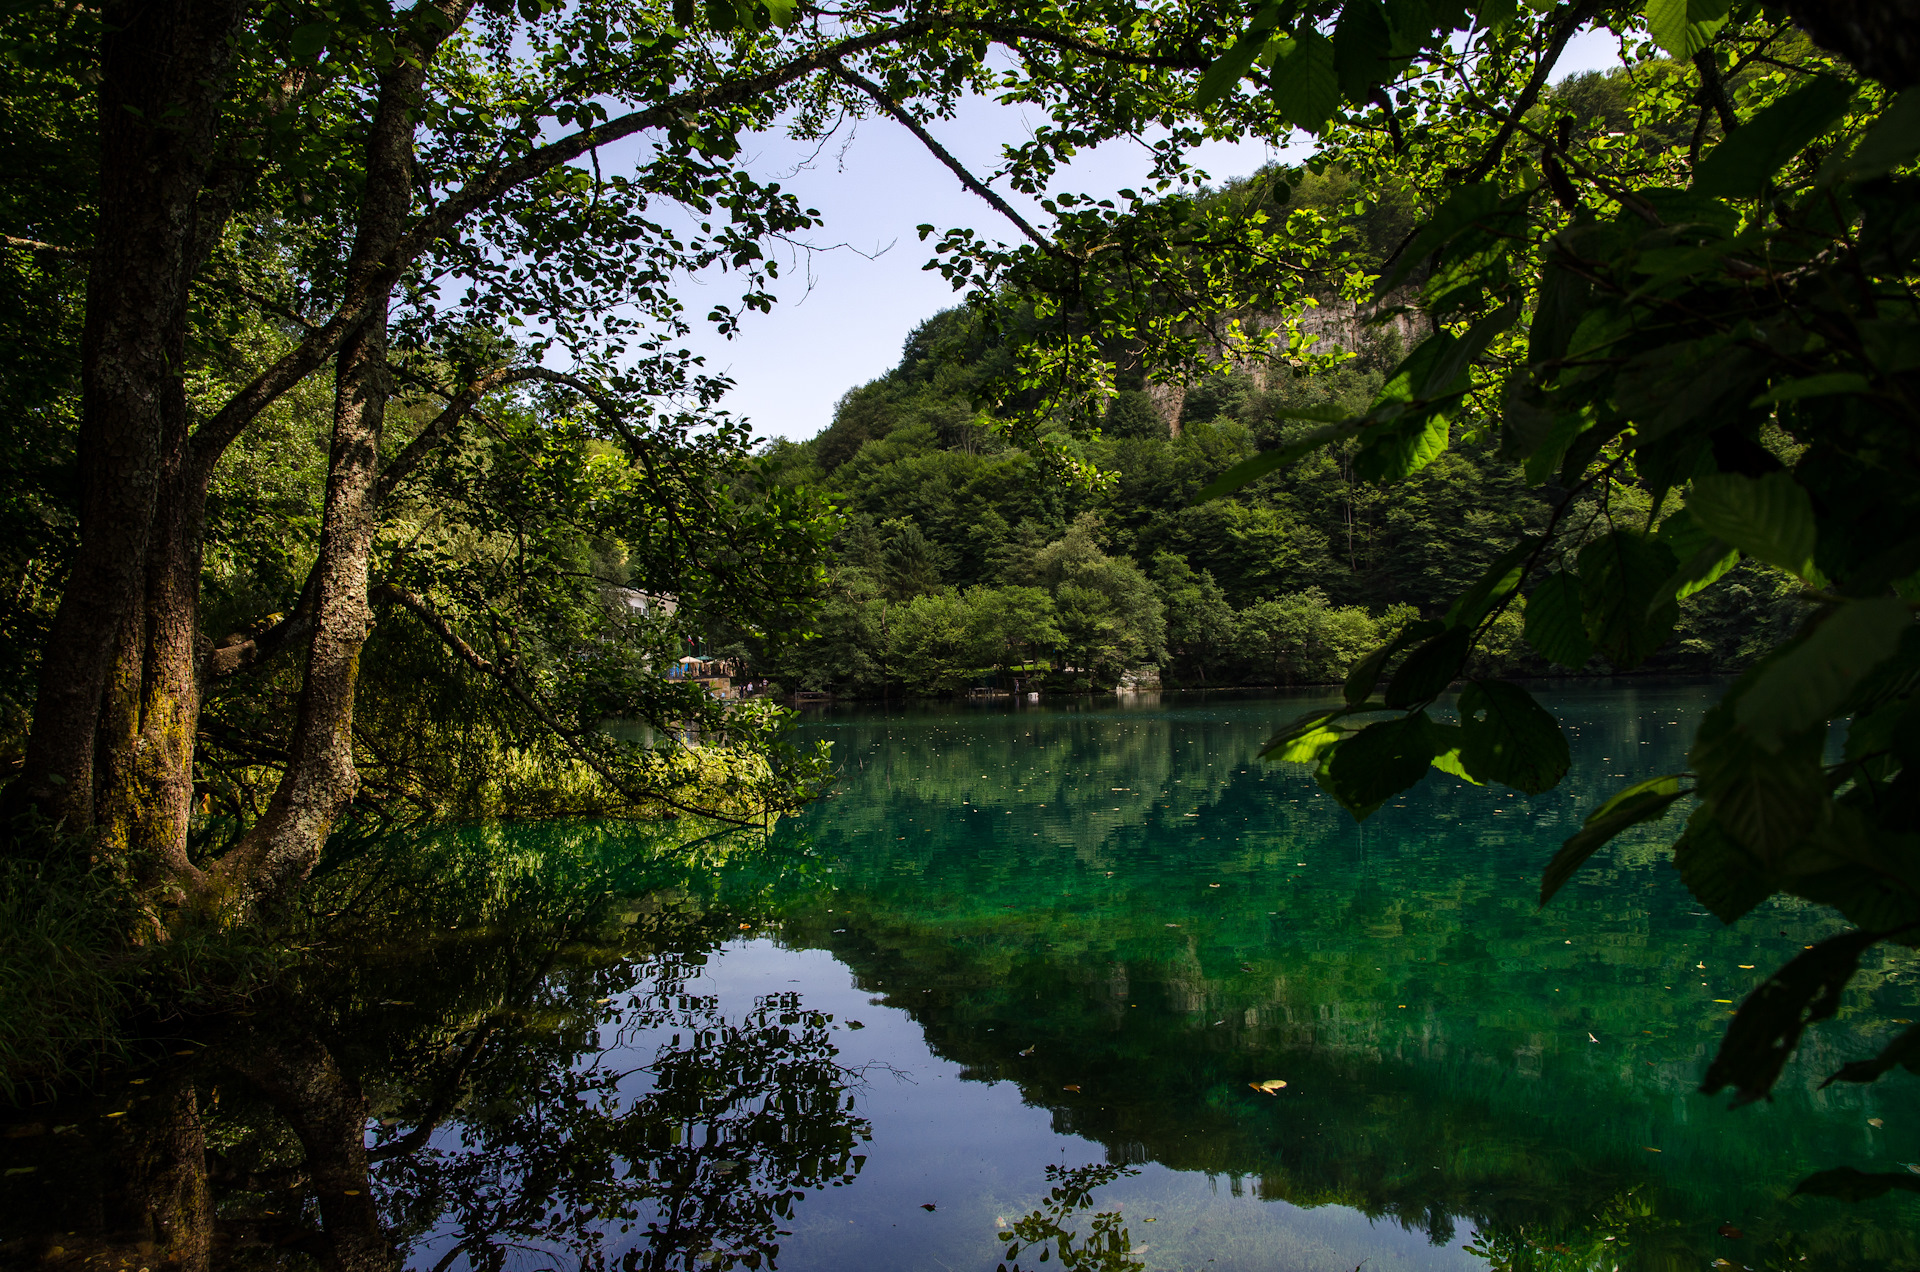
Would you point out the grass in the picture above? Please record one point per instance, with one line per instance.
(66, 987)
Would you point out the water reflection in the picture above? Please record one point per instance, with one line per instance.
(1009, 993)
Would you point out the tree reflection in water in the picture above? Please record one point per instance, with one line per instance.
(486, 1062)
(735, 1122)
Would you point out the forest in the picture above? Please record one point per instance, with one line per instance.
(362, 493)
(953, 569)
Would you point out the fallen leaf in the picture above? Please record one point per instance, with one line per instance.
(927, 1205)
(1213, 885)
(1029, 1051)
(1272, 1086)
(1139, 1249)
(118, 1113)
(1071, 1087)
(1591, 1038)
(745, 926)
(1730, 1232)
(1875, 1123)
(854, 1024)
(1653, 1150)
(349, 1192)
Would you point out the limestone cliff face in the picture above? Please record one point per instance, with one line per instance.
(1335, 321)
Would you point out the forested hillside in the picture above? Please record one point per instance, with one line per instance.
(957, 563)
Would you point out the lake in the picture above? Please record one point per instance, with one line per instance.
(1082, 982)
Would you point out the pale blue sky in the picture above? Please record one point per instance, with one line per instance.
(843, 316)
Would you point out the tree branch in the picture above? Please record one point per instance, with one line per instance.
(1562, 32)
(440, 627)
(967, 179)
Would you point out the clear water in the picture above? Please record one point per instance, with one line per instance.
(1022, 938)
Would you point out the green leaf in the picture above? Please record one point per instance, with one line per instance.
(1227, 69)
(1303, 725)
(1305, 85)
(1849, 1184)
(1362, 48)
(1507, 737)
(1563, 301)
(1308, 747)
(1462, 209)
(1379, 761)
(1621, 574)
(1500, 578)
(1768, 517)
(1807, 683)
(1389, 452)
(309, 38)
(1448, 761)
(1668, 785)
(1700, 570)
(1902, 1052)
(1718, 871)
(1740, 166)
(782, 12)
(1677, 384)
(1366, 673)
(1893, 140)
(1684, 27)
(1429, 669)
(1766, 801)
(1769, 1023)
(1554, 626)
(1600, 828)
(1814, 386)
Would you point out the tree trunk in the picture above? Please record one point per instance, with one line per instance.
(155, 1207)
(163, 70)
(328, 1112)
(278, 853)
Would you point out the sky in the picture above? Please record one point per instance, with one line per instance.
(846, 308)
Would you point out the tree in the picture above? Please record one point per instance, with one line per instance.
(376, 189)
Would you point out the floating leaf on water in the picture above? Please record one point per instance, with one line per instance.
(1071, 1087)
(854, 1024)
(1272, 1086)
(927, 1205)
(1730, 1232)
(1876, 1123)
(1030, 1050)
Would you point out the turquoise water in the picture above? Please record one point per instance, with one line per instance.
(1068, 938)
